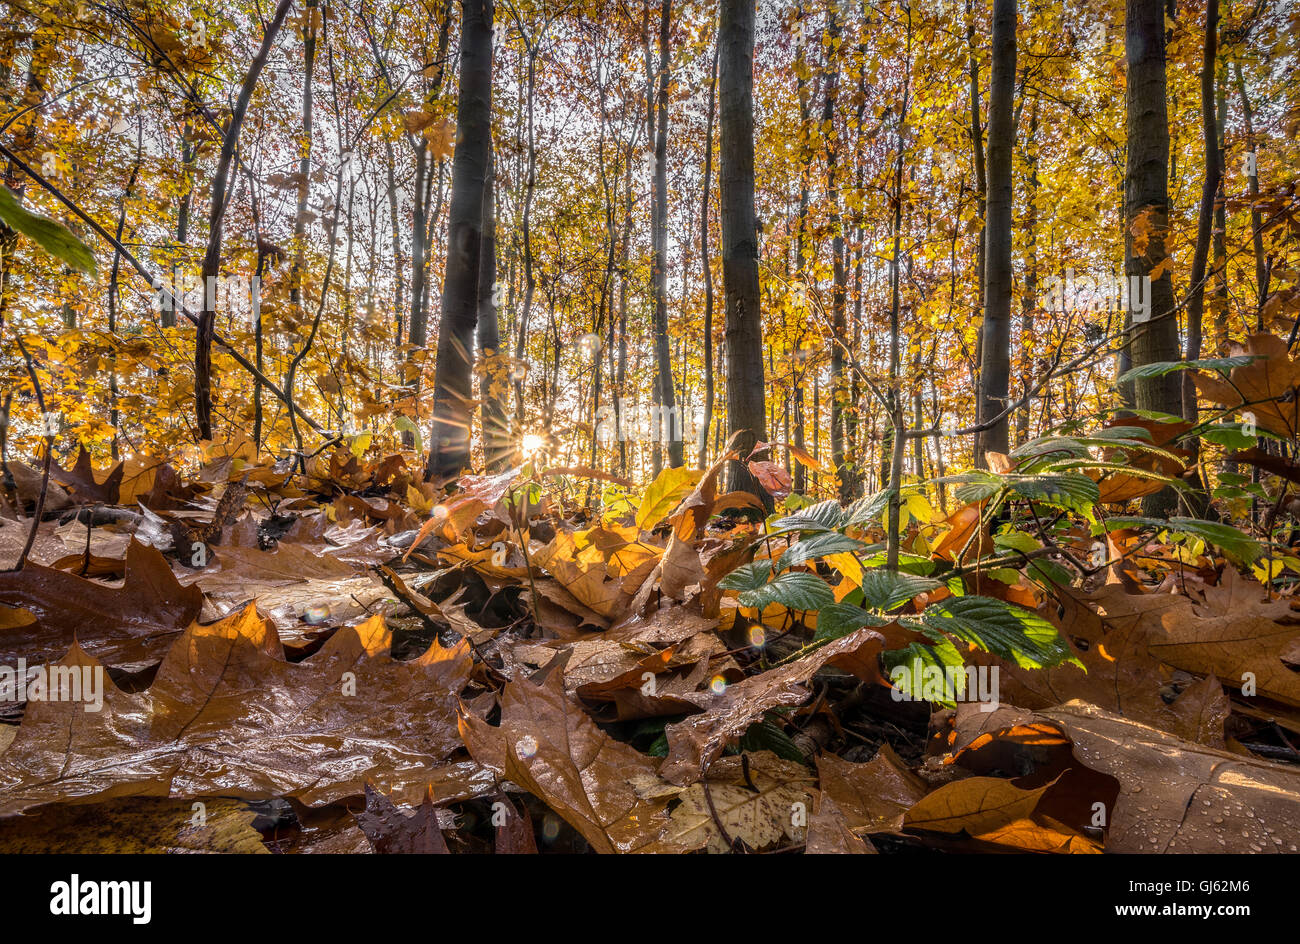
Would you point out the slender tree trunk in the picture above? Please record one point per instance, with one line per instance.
(418, 329)
(1029, 302)
(744, 318)
(839, 277)
(492, 382)
(113, 286)
(1252, 180)
(188, 166)
(304, 160)
(800, 371)
(449, 452)
(1154, 329)
(395, 220)
(981, 195)
(670, 424)
(1205, 221)
(530, 278)
(706, 264)
(620, 391)
(897, 421)
(206, 328)
(995, 359)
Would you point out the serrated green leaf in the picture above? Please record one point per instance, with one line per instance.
(868, 509)
(885, 590)
(53, 237)
(1238, 546)
(1007, 631)
(1221, 365)
(839, 619)
(943, 663)
(819, 545)
(823, 516)
(747, 576)
(794, 591)
(767, 735)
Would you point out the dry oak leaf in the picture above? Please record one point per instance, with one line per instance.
(392, 830)
(978, 807)
(1116, 487)
(515, 831)
(549, 746)
(84, 484)
(1236, 632)
(28, 483)
(1109, 633)
(1268, 387)
(133, 825)
(690, 517)
(694, 743)
(760, 811)
(1176, 796)
(968, 535)
(829, 833)
(126, 627)
(678, 575)
(583, 574)
(871, 797)
(226, 714)
(1168, 795)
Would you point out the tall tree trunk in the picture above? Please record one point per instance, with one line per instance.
(839, 278)
(492, 382)
(206, 328)
(1029, 302)
(449, 451)
(418, 328)
(707, 264)
(1153, 327)
(530, 184)
(1256, 220)
(1205, 221)
(897, 443)
(620, 377)
(670, 424)
(395, 220)
(981, 194)
(189, 160)
(995, 349)
(304, 159)
(799, 371)
(744, 318)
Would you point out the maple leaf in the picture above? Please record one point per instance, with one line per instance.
(127, 626)
(226, 714)
(547, 745)
(1268, 387)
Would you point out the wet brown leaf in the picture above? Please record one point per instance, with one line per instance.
(547, 745)
(127, 626)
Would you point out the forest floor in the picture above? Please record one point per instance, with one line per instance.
(348, 660)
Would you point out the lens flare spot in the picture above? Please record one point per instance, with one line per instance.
(317, 614)
(526, 747)
(717, 684)
(757, 637)
(550, 827)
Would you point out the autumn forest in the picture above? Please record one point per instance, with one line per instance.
(853, 426)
